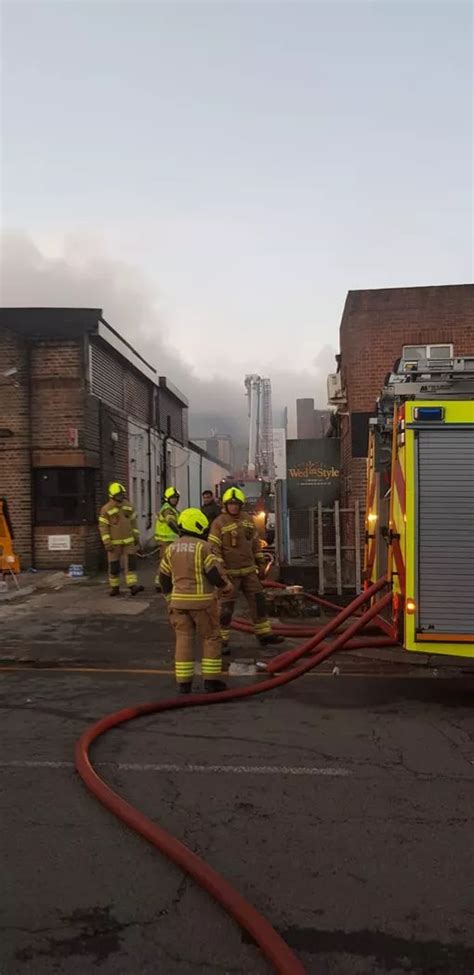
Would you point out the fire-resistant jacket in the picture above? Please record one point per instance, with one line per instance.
(236, 542)
(190, 572)
(166, 525)
(118, 524)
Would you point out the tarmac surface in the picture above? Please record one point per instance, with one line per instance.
(341, 807)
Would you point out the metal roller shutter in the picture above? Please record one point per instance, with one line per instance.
(445, 511)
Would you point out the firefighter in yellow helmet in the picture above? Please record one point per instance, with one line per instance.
(234, 539)
(189, 576)
(121, 538)
(166, 526)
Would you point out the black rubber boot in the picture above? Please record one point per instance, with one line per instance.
(114, 592)
(214, 686)
(271, 640)
(225, 650)
(185, 688)
(135, 589)
(158, 589)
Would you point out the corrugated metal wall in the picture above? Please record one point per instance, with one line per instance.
(106, 375)
(117, 384)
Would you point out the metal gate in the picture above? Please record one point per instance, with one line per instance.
(328, 538)
(445, 521)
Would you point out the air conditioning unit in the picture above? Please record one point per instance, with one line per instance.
(336, 393)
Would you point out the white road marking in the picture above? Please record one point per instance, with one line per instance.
(213, 769)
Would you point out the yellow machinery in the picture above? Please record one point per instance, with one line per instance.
(9, 562)
(420, 503)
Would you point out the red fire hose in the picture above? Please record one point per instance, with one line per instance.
(275, 950)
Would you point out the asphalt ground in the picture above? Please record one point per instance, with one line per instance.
(341, 807)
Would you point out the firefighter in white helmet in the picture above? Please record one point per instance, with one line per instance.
(189, 577)
(235, 540)
(119, 532)
(166, 526)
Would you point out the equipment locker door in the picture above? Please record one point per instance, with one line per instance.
(445, 536)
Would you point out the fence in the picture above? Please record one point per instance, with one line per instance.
(320, 537)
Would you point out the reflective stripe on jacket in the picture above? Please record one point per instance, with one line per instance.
(188, 563)
(166, 524)
(118, 524)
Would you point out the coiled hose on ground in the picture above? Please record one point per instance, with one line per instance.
(274, 949)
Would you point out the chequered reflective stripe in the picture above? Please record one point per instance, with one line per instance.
(263, 628)
(210, 666)
(131, 578)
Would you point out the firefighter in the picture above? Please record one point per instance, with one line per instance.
(166, 526)
(189, 576)
(234, 539)
(121, 538)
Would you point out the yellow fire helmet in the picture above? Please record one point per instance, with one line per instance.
(234, 494)
(193, 522)
(171, 492)
(115, 489)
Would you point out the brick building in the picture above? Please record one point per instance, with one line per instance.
(79, 407)
(374, 328)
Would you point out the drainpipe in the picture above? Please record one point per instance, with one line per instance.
(165, 451)
(30, 437)
(150, 513)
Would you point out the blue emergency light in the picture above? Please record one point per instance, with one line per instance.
(429, 413)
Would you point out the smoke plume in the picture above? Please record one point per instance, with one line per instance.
(84, 276)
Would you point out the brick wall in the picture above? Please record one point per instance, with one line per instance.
(375, 326)
(86, 547)
(58, 386)
(15, 467)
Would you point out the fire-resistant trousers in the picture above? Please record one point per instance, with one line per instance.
(125, 555)
(252, 589)
(203, 623)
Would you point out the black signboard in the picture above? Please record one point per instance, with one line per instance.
(314, 471)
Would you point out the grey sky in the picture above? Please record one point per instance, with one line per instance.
(255, 160)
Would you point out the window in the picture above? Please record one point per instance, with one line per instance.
(64, 496)
(417, 352)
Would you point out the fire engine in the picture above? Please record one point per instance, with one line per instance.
(420, 500)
